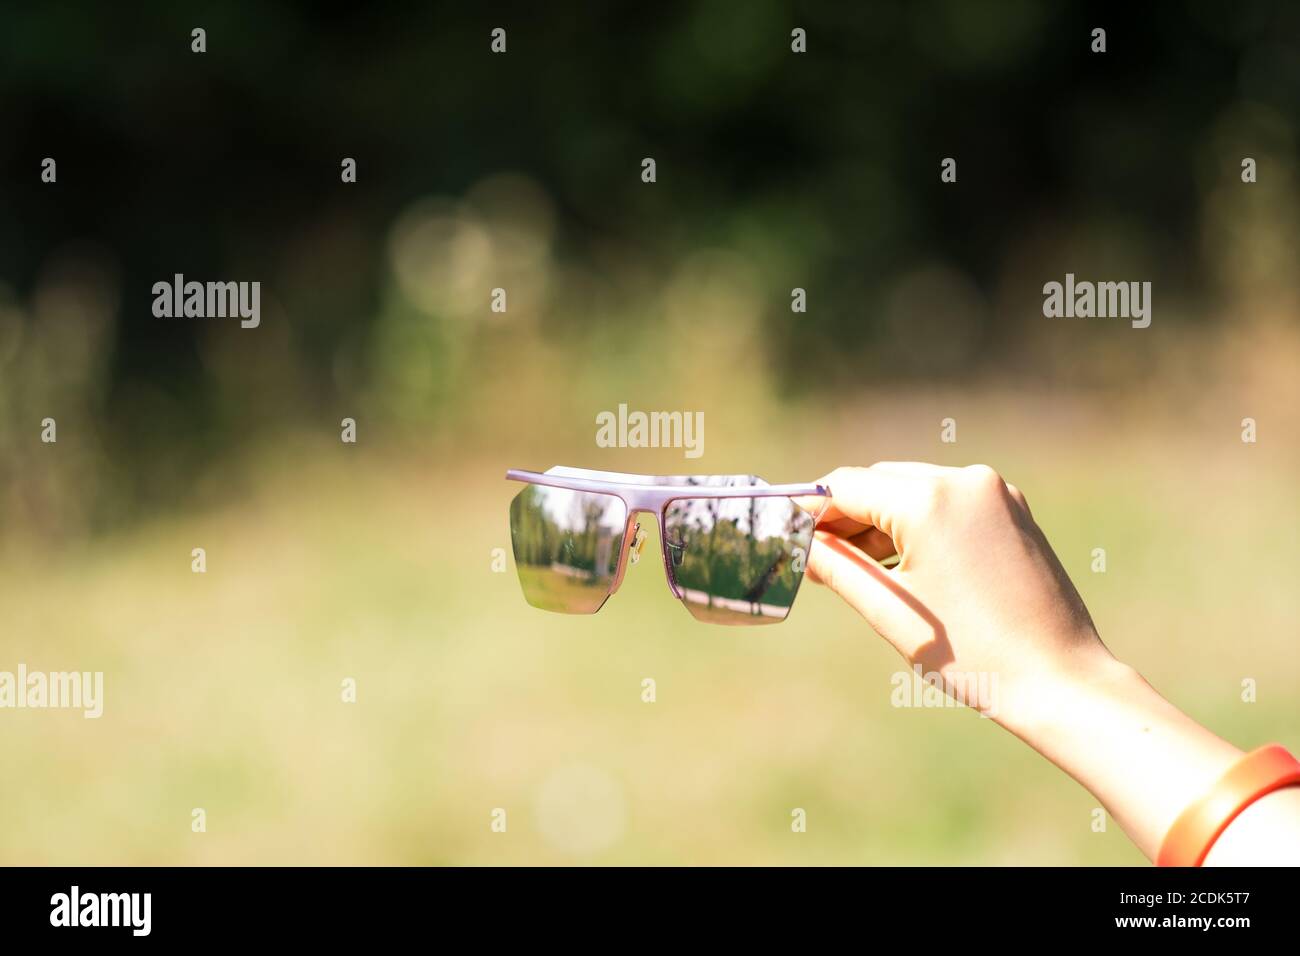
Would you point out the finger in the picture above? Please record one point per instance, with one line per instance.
(868, 588)
(815, 505)
(914, 468)
(874, 543)
(840, 525)
(1018, 497)
(892, 497)
(864, 537)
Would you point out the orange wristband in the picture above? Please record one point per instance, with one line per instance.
(1257, 773)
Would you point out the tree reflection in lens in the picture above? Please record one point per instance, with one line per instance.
(738, 560)
(567, 545)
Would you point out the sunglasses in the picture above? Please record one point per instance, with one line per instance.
(734, 547)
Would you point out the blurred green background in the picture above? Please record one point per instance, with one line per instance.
(374, 561)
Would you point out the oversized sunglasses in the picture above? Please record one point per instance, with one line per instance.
(734, 547)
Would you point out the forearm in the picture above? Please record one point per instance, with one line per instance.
(978, 591)
(1143, 758)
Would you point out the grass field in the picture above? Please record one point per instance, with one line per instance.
(223, 689)
(550, 591)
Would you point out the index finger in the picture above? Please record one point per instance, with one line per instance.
(889, 496)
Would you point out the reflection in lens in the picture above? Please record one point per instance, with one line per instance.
(567, 545)
(738, 560)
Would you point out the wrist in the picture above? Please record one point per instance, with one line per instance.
(1047, 707)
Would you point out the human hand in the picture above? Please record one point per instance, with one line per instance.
(977, 593)
(977, 590)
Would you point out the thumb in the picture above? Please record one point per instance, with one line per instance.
(879, 595)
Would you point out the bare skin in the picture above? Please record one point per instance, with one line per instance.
(977, 589)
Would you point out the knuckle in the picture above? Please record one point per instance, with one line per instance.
(933, 495)
(984, 478)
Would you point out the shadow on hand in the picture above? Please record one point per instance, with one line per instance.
(935, 653)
